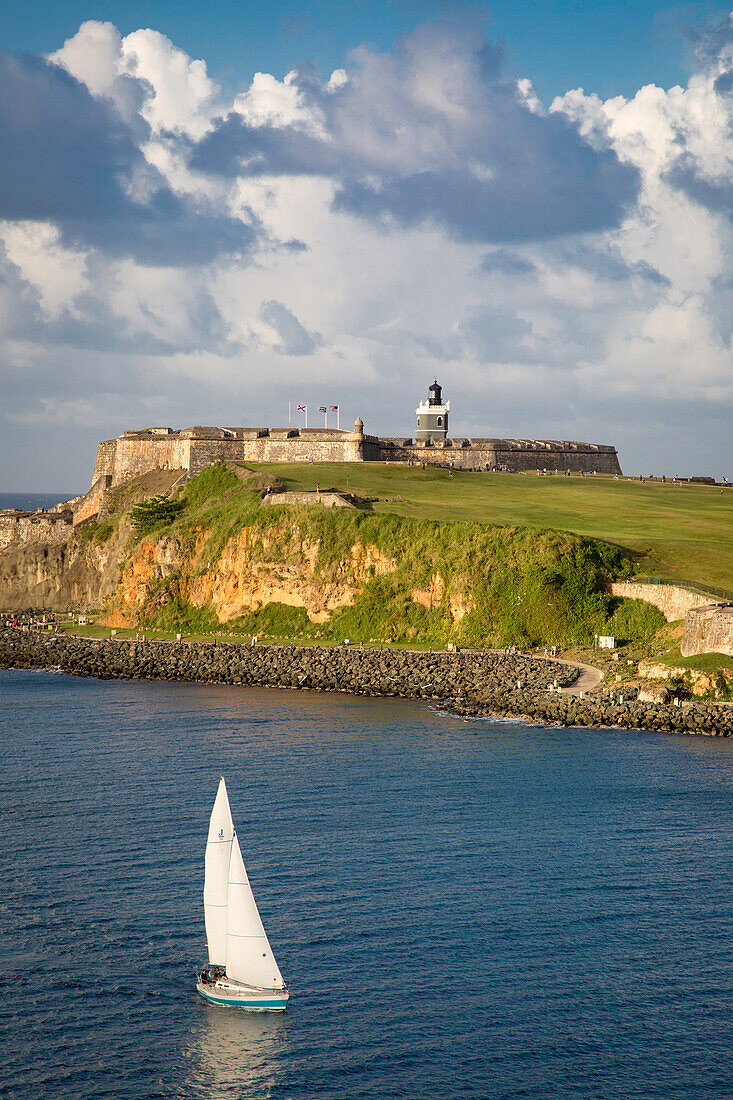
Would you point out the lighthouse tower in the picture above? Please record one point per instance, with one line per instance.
(432, 417)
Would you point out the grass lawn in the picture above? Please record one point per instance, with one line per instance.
(677, 532)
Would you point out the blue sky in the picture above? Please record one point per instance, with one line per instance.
(209, 212)
(607, 46)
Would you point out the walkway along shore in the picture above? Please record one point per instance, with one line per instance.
(470, 683)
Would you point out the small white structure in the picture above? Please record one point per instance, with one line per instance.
(606, 641)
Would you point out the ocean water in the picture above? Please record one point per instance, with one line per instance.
(463, 909)
(29, 502)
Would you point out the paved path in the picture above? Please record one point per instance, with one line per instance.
(588, 680)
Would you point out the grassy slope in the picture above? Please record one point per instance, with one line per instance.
(680, 532)
(526, 585)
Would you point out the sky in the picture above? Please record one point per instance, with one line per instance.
(207, 213)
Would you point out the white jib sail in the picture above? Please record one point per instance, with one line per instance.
(216, 878)
(249, 956)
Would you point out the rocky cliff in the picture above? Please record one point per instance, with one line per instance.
(252, 570)
(80, 573)
(209, 554)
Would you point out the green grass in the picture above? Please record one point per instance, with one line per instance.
(702, 662)
(531, 554)
(524, 586)
(679, 532)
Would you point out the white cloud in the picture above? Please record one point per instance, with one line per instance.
(142, 72)
(58, 274)
(576, 334)
(272, 102)
(184, 97)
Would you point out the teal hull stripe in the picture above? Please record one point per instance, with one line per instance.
(242, 1002)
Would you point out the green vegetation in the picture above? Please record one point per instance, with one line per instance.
(635, 621)
(274, 620)
(181, 616)
(486, 585)
(469, 558)
(156, 512)
(679, 532)
(96, 531)
(701, 662)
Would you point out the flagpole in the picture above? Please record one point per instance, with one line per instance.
(306, 416)
(325, 417)
(338, 424)
(288, 414)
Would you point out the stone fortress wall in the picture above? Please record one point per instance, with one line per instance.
(22, 528)
(192, 449)
(513, 455)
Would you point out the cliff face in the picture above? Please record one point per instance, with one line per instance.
(213, 555)
(132, 582)
(79, 574)
(249, 573)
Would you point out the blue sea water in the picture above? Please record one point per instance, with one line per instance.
(463, 909)
(30, 502)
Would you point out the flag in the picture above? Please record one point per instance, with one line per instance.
(333, 408)
(301, 408)
(321, 408)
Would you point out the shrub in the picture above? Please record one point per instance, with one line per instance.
(178, 615)
(155, 512)
(634, 621)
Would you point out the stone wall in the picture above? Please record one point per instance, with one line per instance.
(205, 452)
(471, 682)
(193, 449)
(328, 500)
(130, 456)
(301, 448)
(672, 600)
(30, 528)
(515, 455)
(94, 505)
(104, 465)
(708, 630)
(138, 456)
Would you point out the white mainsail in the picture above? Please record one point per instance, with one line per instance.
(216, 879)
(249, 956)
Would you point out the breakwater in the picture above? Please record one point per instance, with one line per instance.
(470, 682)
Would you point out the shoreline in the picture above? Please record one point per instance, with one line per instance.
(468, 683)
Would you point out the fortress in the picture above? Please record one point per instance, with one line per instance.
(190, 450)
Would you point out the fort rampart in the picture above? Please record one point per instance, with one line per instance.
(192, 449)
(23, 528)
(514, 455)
(672, 600)
(708, 630)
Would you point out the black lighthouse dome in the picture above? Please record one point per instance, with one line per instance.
(436, 394)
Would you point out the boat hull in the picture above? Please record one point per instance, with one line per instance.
(228, 995)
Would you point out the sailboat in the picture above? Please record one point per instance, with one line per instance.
(242, 970)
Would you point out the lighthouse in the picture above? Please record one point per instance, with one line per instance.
(432, 417)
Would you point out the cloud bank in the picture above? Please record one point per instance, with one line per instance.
(171, 254)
